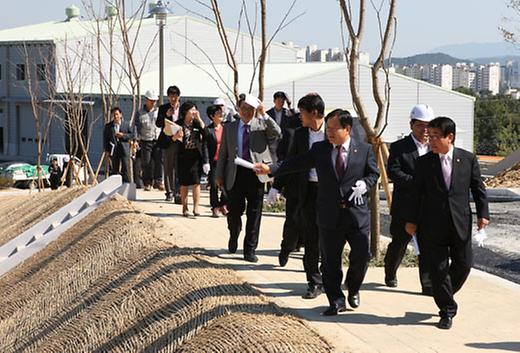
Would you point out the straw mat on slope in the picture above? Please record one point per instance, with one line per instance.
(109, 285)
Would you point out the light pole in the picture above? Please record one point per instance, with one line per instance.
(161, 14)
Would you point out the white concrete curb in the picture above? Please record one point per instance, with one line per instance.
(41, 234)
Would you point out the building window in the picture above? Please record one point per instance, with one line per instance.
(20, 72)
(41, 72)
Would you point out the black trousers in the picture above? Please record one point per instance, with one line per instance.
(332, 242)
(311, 256)
(120, 166)
(171, 178)
(248, 188)
(216, 197)
(450, 259)
(396, 250)
(291, 231)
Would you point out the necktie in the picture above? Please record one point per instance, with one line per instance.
(245, 144)
(340, 161)
(446, 170)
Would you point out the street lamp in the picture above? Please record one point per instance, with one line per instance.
(161, 14)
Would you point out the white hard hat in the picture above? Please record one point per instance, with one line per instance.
(151, 95)
(422, 112)
(252, 100)
(219, 101)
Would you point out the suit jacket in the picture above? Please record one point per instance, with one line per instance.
(361, 165)
(163, 141)
(290, 121)
(121, 146)
(296, 184)
(263, 133)
(432, 202)
(211, 141)
(401, 167)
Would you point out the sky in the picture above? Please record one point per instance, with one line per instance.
(422, 24)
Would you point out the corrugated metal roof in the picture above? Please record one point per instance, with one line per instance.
(213, 80)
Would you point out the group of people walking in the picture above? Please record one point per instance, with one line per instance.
(324, 171)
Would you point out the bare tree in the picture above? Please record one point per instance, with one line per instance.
(380, 95)
(37, 91)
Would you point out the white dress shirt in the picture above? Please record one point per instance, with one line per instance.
(315, 136)
(334, 154)
(422, 148)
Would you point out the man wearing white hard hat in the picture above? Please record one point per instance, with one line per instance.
(401, 166)
(148, 168)
(248, 138)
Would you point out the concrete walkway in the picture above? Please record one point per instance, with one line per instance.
(388, 320)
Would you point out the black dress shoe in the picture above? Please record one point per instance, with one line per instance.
(335, 309)
(392, 283)
(283, 257)
(232, 246)
(353, 300)
(169, 198)
(445, 323)
(313, 292)
(178, 200)
(250, 258)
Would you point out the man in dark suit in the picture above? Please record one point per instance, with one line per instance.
(116, 137)
(286, 118)
(301, 189)
(401, 167)
(248, 138)
(440, 213)
(170, 144)
(346, 169)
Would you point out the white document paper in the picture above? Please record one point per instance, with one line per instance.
(243, 163)
(170, 128)
(415, 245)
(112, 147)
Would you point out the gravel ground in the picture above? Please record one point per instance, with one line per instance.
(501, 252)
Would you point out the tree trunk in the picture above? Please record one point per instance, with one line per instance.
(263, 53)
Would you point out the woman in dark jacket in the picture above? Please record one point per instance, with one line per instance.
(213, 136)
(192, 155)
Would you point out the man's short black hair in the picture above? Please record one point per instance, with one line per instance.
(345, 118)
(115, 109)
(280, 94)
(311, 102)
(173, 90)
(212, 110)
(445, 124)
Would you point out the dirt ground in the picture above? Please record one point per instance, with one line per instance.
(110, 284)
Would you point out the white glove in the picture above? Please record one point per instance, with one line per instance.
(479, 237)
(273, 196)
(358, 191)
(206, 168)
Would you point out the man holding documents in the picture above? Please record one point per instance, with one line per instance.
(249, 139)
(170, 140)
(401, 166)
(346, 169)
(440, 214)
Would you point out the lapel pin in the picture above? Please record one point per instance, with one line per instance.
(458, 160)
(355, 150)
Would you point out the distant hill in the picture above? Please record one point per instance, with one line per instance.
(425, 59)
(493, 59)
(478, 50)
